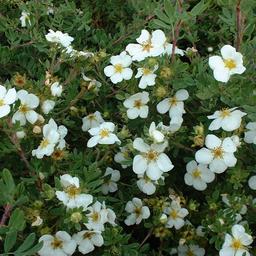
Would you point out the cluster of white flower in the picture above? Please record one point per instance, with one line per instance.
(218, 154)
(53, 139)
(97, 216)
(65, 40)
(148, 46)
(101, 131)
(173, 215)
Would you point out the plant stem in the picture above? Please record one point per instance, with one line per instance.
(176, 31)
(239, 25)
(146, 237)
(6, 215)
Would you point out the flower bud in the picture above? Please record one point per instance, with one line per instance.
(76, 217)
(37, 129)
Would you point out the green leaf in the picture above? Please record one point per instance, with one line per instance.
(27, 243)
(7, 177)
(10, 240)
(162, 16)
(17, 221)
(198, 8)
(161, 24)
(31, 251)
(169, 8)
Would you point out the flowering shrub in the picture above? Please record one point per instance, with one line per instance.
(127, 128)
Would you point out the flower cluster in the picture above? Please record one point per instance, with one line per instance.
(97, 216)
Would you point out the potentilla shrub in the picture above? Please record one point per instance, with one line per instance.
(127, 128)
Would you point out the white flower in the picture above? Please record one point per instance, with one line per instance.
(148, 45)
(198, 175)
(119, 70)
(227, 119)
(92, 121)
(155, 134)
(174, 105)
(49, 141)
(72, 196)
(175, 124)
(219, 154)
(28, 102)
(230, 63)
(103, 134)
(122, 156)
(200, 231)
(236, 140)
(58, 37)
(252, 182)
(37, 222)
(87, 240)
(110, 214)
(146, 185)
(97, 217)
(236, 244)
(20, 134)
(24, 19)
(59, 245)
(92, 82)
(137, 105)
(62, 130)
(168, 49)
(250, 136)
(190, 250)
(56, 89)
(137, 211)
(6, 99)
(47, 106)
(110, 184)
(151, 159)
(147, 77)
(175, 215)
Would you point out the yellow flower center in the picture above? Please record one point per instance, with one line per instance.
(146, 71)
(95, 216)
(137, 211)
(173, 214)
(73, 191)
(190, 253)
(23, 108)
(230, 63)
(173, 101)
(147, 46)
(118, 68)
(236, 244)
(56, 243)
(104, 133)
(1, 102)
(196, 173)
(218, 152)
(44, 143)
(151, 155)
(137, 104)
(92, 117)
(225, 112)
(88, 235)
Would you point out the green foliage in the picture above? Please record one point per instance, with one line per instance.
(28, 185)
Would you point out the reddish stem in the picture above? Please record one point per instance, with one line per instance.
(6, 215)
(177, 31)
(239, 25)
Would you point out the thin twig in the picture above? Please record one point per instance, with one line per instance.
(176, 31)
(146, 237)
(6, 215)
(239, 25)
